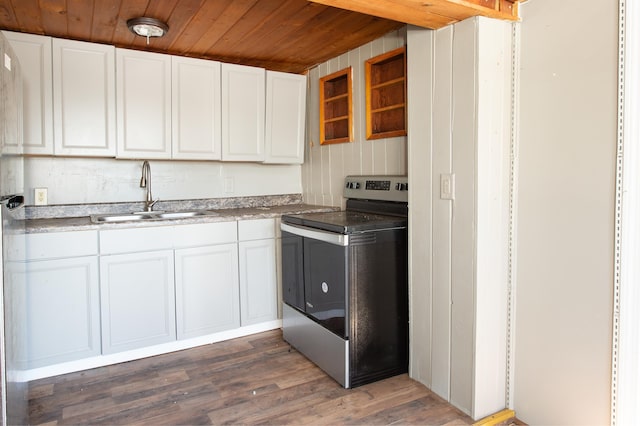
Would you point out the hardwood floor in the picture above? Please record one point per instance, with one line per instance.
(251, 380)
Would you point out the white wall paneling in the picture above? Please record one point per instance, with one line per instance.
(442, 211)
(326, 166)
(461, 84)
(420, 166)
(494, 88)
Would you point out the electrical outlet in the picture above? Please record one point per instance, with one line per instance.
(40, 196)
(228, 185)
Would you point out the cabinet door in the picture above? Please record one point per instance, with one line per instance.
(84, 98)
(62, 304)
(195, 109)
(143, 87)
(10, 102)
(34, 54)
(285, 117)
(257, 281)
(137, 300)
(243, 106)
(207, 291)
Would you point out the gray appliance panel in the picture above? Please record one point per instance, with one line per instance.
(327, 350)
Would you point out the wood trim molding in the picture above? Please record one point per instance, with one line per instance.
(433, 14)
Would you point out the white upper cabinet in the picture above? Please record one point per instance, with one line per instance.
(195, 109)
(143, 85)
(285, 117)
(243, 109)
(34, 54)
(89, 99)
(84, 108)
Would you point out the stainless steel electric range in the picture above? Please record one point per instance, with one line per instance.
(345, 280)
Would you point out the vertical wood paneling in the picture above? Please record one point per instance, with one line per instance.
(464, 208)
(420, 96)
(492, 194)
(333, 179)
(442, 213)
(395, 148)
(470, 112)
(328, 165)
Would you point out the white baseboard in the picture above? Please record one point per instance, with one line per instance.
(178, 345)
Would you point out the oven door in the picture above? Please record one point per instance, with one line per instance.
(325, 257)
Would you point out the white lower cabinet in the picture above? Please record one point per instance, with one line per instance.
(207, 290)
(91, 293)
(62, 310)
(257, 262)
(138, 300)
(59, 300)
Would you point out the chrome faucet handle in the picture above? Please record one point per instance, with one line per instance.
(149, 204)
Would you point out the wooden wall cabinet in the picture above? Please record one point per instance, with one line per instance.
(336, 111)
(386, 95)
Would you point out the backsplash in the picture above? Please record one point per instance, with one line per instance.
(106, 180)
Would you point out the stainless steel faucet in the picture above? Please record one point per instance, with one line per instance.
(145, 182)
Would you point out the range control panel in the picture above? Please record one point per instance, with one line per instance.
(377, 187)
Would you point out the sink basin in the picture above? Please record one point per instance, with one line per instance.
(144, 216)
(119, 218)
(178, 215)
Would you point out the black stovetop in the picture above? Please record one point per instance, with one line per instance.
(357, 218)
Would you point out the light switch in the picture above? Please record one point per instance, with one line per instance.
(447, 186)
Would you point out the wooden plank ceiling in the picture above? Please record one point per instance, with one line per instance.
(281, 35)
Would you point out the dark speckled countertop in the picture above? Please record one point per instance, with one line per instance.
(241, 212)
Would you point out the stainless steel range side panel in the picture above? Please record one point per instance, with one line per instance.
(325, 349)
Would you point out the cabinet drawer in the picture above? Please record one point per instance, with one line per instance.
(57, 245)
(257, 229)
(204, 234)
(136, 239)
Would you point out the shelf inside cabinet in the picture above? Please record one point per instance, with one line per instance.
(335, 108)
(386, 94)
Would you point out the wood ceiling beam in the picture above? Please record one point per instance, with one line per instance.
(432, 14)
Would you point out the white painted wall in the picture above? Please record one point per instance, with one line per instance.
(566, 212)
(326, 166)
(101, 180)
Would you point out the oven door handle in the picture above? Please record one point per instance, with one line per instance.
(315, 234)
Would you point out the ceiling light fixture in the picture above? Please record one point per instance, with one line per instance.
(147, 27)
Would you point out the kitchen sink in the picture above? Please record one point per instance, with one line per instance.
(144, 216)
(119, 218)
(178, 215)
